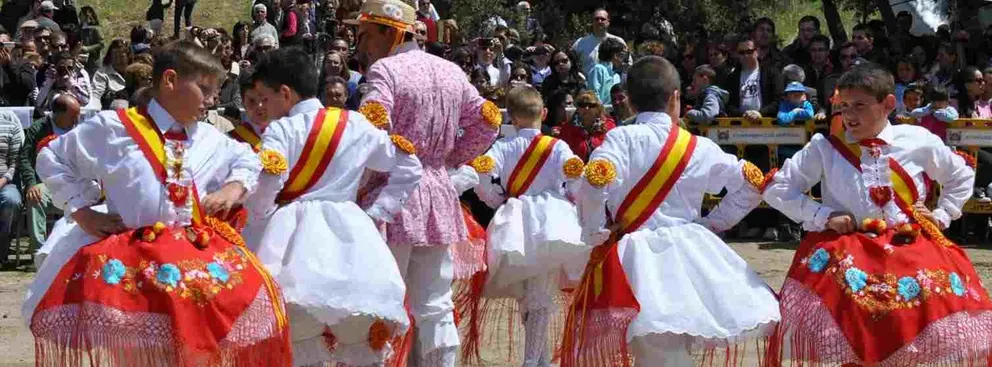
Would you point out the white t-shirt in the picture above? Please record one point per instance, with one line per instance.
(588, 50)
(750, 90)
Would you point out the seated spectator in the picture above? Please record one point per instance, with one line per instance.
(137, 76)
(588, 127)
(540, 64)
(794, 106)
(565, 74)
(520, 75)
(91, 38)
(604, 75)
(798, 50)
(912, 98)
(65, 115)
(110, 78)
(561, 107)
(754, 89)
(710, 99)
(970, 103)
(11, 138)
(905, 74)
(937, 114)
(335, 92)
(66, 76)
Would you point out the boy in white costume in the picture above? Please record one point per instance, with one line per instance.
(344, 291)
(535, 231)
(663, 281)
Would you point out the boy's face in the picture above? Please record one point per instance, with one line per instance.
(277, 102)
(191, 96)
(257, 115)
(700, 82)
(864, 115)
(939, 105)
(796, 98)
(912, 100)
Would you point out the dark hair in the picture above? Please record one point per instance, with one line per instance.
(556, 100)
(864, 28)
(188, 60)
(869, 78)
(115, 44)
(908, 61)
(822, 39)
(764, 20)
(744, 38)
(914, 88)
(289, 66)
(938, 93)
(84, 9)
(809, 18)
(845, 45)
(245, 83)
(966, 105)
(139, 34)
(610, 48)
(64, 55)
(651, 83)
(706, 70)
(526, 68)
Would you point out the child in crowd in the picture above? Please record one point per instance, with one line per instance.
(906, 75)
(535, 233)
(912, 98)
(710, 98)
(937, 114)
(794, 106)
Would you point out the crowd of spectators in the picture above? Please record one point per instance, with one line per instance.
(55, 59)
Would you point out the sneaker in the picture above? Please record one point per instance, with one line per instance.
(771, 234)
(982, 196)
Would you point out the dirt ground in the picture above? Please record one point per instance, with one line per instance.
(769, 260)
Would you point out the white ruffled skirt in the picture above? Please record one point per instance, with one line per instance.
(689, 282)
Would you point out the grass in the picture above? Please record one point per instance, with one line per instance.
(117, 17)
(787, 22)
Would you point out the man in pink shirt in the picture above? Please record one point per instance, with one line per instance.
(430, 101)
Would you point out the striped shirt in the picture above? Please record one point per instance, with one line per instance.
(11, 138)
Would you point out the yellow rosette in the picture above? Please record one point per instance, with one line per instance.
(600, 172)
(483, 164)
(753, 175)
(491, 114)
(273, 162)
(376, 113)
(573, 167)
(403, 144)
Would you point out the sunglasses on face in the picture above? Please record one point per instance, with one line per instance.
(587, 105)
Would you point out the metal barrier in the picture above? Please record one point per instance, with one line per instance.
(971, 135)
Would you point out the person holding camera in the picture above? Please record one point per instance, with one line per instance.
(65, 76)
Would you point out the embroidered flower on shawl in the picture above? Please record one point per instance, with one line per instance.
(169, 274)
(818, 261)
(273, 162)
(753, 175)
(969, 159)
(600, 172)
(573, 167)
(218, 272)
(909, 288)
(856, 279)
(957, 286)
(491, 114)
(403, 144)
(483, 164)
(113, 271)
(376, 113)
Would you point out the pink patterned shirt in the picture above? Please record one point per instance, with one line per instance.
(429, 101)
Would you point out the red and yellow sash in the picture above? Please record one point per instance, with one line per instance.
(146, 134)
(530, 164)
(604, 304)
(245, 134)
(322, 143)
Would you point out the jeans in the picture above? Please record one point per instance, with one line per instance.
(183, 8)
(10, 206)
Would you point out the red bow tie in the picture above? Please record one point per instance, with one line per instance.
(873, 142)
(179, 134)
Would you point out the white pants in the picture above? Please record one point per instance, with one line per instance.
(428, 272)
(536, 307)
(351, 336)
(661, 350)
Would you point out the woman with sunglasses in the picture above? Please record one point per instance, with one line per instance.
(588, 126)
(565, 75)
(520, 75)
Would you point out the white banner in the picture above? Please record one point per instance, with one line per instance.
(969, 137)
(758, 135)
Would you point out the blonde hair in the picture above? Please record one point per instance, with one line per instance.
(524, 104)
(588, 96)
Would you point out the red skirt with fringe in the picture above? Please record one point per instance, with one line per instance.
(151, 297)
(892, 300)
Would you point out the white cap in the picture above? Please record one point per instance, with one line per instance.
(47, 5)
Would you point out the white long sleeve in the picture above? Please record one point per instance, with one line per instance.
(404, 169)
(70, 166)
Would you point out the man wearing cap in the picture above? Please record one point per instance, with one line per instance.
(430, 101)
(262, 27)
(26, 31)
(45, 14)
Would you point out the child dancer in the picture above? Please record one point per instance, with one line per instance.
(875, 282)
(663, 281)
(535, 231)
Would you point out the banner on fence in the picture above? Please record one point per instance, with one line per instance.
(758, 135)
(969, 137)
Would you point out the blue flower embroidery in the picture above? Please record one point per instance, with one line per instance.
(818, 261)
(113, 271)
(168, 274)
(957, 286)
(218, 272)
(856, 279)
(909, 288)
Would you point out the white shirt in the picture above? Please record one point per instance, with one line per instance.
(507, 153)
(362, 146)
(107, 80)
(100, 149)
(495, 74)
(750, 90)
(588, 50)
(844, 188)
(633, 149)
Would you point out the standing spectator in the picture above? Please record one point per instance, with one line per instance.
(710, 98)
(587, 48)
(424, 16)
(540, 64)
(527, 21)
(239, 41)
(155, 15)
(65, 115)
(16, 77)
(184, 8)
(335, 92)
(565, 75)
(26, 32)
(11, 138)
(588, 126)
(819, 65)
(604, 75)
(847, 54)
(289, 34)
(798, 50)
(46, 13)
(970, 103)
(754, 88)
(262, 27)
(90, 36)
(485, 57)
(65, 77)
(766, 41)
(110, 78)
(717, 57)
(276, 16)
(864, 42)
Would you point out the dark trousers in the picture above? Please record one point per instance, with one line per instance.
(983, 176)
(183, 8)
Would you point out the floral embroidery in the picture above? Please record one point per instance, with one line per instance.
(818, 260)
(376, 113)
(113, 271)
(483, 164)
(957, 286)
(573, 167)
(403, 144)
(600, 172)
(856, 279)
(753, 175)
(909, 288)
(969, 159)
(169, 274)
(273, 162)
(378, 335)
(769, 178)
(218, 272)
(44, 142)
(491, 114)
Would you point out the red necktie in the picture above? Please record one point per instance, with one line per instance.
(176, 134)
(873, 142)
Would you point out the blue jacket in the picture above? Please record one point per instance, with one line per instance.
(601, 79)
(787, 112)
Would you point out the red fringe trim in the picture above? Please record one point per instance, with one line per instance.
(597, 338)
(403, 345)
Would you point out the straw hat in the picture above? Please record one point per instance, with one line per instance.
(392, 13)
